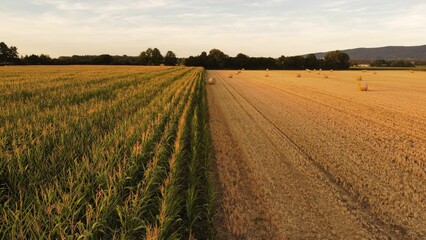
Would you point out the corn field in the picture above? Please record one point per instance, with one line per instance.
(104, 153)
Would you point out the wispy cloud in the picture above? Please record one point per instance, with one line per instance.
(274, 27)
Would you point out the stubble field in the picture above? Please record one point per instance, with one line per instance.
(312, 157)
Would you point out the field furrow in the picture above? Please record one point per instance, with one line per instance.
(88, 158)
(327, 164)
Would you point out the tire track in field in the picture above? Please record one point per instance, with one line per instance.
(371, 198)
(301, 193)
(418, 121)
(391, 160)
(373, 223)
(237, 219)
(413, 163)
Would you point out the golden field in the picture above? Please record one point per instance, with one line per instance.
(306, 155)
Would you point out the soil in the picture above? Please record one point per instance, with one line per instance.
(313, 158)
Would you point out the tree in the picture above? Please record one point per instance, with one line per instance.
(337, 60)
(379, 63)
(156, 57)
(241, 61)
(216, 59)
(311, 62)
(8, 55)
(33, 59)
(151, 57)
(197, 61)
(295, 62)
(282, 62)
(104, 59)
(170, 59)
(144, 58)
(203, 58)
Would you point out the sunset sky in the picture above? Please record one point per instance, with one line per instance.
(188, 27)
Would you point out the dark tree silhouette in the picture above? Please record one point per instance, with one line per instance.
(170, 59)
(337, 60)
(8, 55)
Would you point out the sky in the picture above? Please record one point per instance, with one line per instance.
(188, 27)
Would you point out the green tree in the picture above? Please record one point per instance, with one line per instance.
(156, 57)
(311, 62)
(144, 58)
(170, 59)
(295, 62)
(8, 55)
(379, 63)
(203, 59)
(242, 61)
(104, 59)
(337, 60)
(151, 57)
(216, 59)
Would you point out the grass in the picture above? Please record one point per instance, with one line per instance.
(104, 152)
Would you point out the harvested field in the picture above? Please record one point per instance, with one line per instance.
(314, 158)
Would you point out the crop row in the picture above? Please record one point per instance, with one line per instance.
(122, 157)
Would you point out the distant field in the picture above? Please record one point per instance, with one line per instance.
(312, 157)
(417, 68)
(103, 153)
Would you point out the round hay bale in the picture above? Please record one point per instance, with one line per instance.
(318, 73)
(363, 86)
(267, 75)
(325, 76)
(359, 78)
(231, 76)
(243, 69)
(212, 81)
(331, 70)
(299, 75)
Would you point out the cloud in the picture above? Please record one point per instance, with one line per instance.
(411, 17)
(188, 26)
(100, 6)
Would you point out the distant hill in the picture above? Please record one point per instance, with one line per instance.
(386, 53)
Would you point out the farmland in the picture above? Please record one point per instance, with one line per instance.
(311, 157)
(104, 153)
(118, 152)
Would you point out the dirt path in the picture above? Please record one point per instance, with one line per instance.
(314, 159)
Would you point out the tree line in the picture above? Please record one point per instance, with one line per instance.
(8, 55)
(152, 56)
(391, 63)
(215, 59)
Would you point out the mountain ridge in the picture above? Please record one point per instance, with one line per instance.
(386, 53)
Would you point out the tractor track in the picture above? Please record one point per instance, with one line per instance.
(306, 177)
(354, 205)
